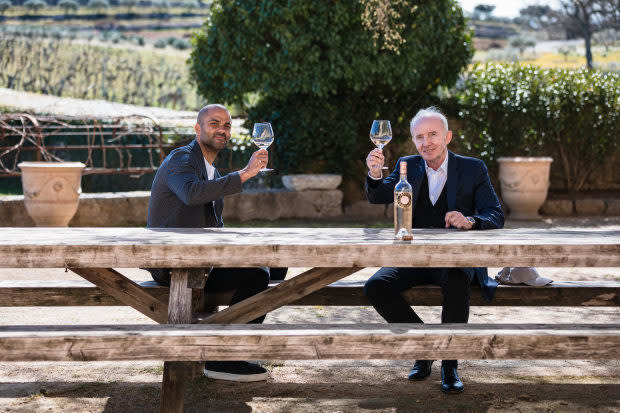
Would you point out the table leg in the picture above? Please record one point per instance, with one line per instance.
(176, 372)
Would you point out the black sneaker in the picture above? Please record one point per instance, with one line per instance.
(234, 371)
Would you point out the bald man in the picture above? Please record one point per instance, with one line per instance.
(188, 192)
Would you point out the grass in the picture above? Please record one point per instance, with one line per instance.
(607, 60)
(16, 11)
(63, 68)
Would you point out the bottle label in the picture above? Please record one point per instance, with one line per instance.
(403, 200)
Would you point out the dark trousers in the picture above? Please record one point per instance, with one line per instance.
(245, 282)
(383, 291)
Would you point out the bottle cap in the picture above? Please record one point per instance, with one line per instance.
(403, 167)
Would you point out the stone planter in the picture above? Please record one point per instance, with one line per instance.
(51, 191)
(524, 185)
(306, 182)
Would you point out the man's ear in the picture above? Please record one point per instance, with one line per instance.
(448, 137)
(197, 129)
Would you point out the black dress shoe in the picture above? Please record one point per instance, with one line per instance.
(421, 370)
(450, 382)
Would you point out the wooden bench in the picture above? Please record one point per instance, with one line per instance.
(192, 342)
(341, 293)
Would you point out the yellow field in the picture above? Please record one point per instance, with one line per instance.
(609, 60)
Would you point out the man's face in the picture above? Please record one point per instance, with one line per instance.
(214, 130)
(431, 140)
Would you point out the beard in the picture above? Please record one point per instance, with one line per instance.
(213, 141)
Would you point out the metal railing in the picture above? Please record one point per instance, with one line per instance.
(135, 144)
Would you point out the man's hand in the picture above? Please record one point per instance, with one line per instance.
(375, 161)
(258, 160)
(458, 220)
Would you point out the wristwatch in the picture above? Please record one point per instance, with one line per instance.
(472, 220)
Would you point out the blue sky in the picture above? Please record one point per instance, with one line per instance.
(503, 8)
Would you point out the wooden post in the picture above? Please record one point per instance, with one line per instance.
(177, 372)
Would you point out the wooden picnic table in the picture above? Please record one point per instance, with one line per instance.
(331, 254)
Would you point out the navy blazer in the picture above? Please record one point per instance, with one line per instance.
(468, 191)
(182, 196)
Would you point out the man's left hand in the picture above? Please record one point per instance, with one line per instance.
(458, 220)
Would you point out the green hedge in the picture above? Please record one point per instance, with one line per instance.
(524, 110)
(321, 76)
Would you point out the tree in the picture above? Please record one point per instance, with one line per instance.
(161, 5)
(538, 17)
(483, 11)
(35, 6)
(130, 4)
(522, 43)
(322, 73)
(68, 6)
(589, 16)
(98, 5)
(4, 6)
(190, 5)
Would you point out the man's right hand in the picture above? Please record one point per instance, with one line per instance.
(375, 161)
(258, 161)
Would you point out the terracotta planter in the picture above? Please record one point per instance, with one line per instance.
(524, 185)
(51, 191)
(308, 182)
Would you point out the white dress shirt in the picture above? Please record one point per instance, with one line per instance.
(436, 180)
(210, 170)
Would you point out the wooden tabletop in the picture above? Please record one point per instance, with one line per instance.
(305, 247)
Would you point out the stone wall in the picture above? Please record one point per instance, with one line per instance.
(126, 209)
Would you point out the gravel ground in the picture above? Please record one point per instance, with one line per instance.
(324, 386)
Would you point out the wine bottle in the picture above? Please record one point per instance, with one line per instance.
(403, 210)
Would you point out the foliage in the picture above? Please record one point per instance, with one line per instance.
(129, 4)
(68, 5)
(63, 68)
(34, 6)
(571, 115)
(4, 6)
(99, 5)
(321, 76)
(522, 42)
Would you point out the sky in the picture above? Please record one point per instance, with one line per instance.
(503, 8)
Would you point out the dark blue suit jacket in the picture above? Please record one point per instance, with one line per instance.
(182, 196)
(468, 190)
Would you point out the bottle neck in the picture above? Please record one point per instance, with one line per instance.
(403, 176)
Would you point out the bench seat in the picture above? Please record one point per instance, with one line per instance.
(342, 293)
(192, 342)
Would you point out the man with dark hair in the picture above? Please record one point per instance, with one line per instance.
(188, 192)
(449, 191)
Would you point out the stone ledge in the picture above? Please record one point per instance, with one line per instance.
(123, 209)
(120, 209)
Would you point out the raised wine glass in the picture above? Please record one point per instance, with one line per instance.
(381, 134)
(262, 136)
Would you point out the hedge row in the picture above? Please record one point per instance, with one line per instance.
(524, 110)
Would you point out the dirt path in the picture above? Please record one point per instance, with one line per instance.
(325, 386)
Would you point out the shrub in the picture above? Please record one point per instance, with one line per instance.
(68, 6)
(34, 6)
(180, 44)
(571, 115)
(160, 43)
(322, 76)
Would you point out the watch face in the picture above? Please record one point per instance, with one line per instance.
(472, 220)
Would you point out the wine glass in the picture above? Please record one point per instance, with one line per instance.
(381, 134)
(262, 136)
